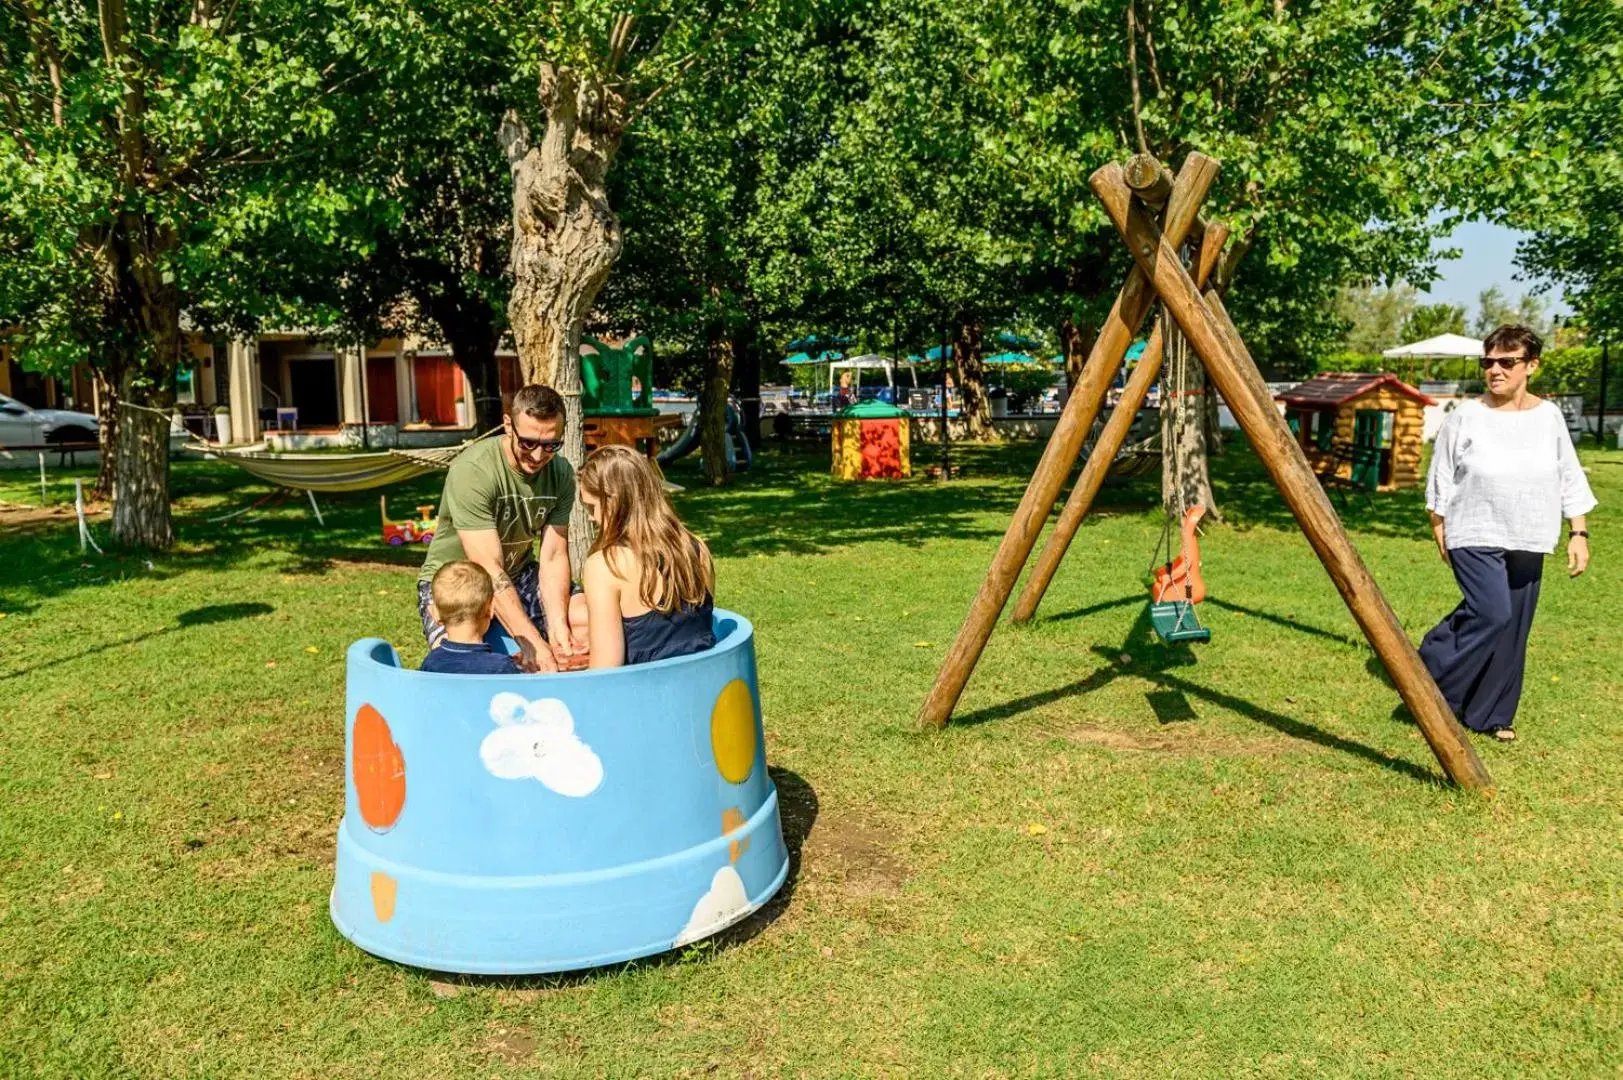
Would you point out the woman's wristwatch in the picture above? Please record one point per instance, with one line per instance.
(1584, 533)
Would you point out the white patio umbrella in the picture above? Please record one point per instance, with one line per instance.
(870, 362)
(1440, 346)
(1443, 346)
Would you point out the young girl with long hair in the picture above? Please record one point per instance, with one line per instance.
(649, 581)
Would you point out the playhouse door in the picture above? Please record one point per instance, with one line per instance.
(1366, 460)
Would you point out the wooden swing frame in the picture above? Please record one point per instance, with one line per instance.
(1131, 195)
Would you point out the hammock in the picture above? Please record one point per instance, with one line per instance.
(338, 472)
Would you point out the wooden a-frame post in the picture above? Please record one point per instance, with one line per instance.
(1104, 360)
(1205, 323)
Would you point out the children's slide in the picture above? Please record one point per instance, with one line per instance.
(739, 455)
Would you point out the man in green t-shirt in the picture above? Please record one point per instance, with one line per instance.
(500, 495)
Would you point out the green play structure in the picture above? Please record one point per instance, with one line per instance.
(617, 381)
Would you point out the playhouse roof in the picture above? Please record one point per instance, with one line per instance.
(1337, 388)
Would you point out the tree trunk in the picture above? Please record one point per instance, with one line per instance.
(474, 350)
(1075, 342)
(566, 237)
(747, 368)
(967, 350)
(141, 488)
(1185, 477)
(1214, 426)
(107, 430)
(718, 378)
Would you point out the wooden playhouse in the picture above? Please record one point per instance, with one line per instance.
(1365, 430)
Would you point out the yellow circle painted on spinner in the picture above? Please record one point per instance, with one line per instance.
(732, 732)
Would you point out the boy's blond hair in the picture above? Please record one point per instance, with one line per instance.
(462, 592)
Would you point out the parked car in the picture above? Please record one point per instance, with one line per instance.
(21, 425)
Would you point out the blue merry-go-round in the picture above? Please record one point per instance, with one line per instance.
(508, 824)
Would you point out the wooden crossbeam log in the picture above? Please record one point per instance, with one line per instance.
(1104, 360)
(1231, 368)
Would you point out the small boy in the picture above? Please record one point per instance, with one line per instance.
(462, 599)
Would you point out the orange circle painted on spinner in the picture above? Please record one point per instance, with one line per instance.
(380, 771)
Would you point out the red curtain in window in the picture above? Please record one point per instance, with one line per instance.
(381, 401)
(438, 380)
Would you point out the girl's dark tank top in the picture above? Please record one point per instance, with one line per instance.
(656, 636)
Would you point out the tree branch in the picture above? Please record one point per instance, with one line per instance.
(1132, 70)
(14, 114)
(41, 35)
(620, 39)
(1155, 66)
(114, 23)
(686, 63)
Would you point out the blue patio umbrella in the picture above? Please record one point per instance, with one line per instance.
(933, 353)
(1006, 358)
(1136, 349)
(818, 342)
(1015, 341)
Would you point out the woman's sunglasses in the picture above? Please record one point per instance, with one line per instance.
(1506, 362)
(530, 446)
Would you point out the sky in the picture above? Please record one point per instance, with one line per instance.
(1487, 257)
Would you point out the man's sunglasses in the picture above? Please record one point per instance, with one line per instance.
(530, 446)
(1506, 362)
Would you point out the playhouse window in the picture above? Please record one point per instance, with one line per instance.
(1324, 429)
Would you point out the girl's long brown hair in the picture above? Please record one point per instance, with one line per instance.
(634, 512)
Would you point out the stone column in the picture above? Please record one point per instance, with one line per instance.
(351, 370)
(242, 354)
(404, 397)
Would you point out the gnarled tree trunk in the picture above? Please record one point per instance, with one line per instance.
(967, 350)
(1185, 476)
(566, 237)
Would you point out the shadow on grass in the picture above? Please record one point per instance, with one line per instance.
(1287, 622)
(203, 616)
(787, 504)
(1170, 701)
(1094, 609)
(797, 810)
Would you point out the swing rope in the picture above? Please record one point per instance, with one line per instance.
(1185, 626)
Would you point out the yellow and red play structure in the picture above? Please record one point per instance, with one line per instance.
(871, 442)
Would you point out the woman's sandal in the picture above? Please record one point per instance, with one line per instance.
(1504, 734)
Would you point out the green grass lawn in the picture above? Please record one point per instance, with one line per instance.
(1123, 860)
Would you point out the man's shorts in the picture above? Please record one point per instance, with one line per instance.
(527, 580)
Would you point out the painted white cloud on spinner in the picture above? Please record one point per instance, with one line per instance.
(536, 740)
(724, 904)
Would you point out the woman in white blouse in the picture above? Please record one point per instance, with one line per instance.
(1503, 475)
